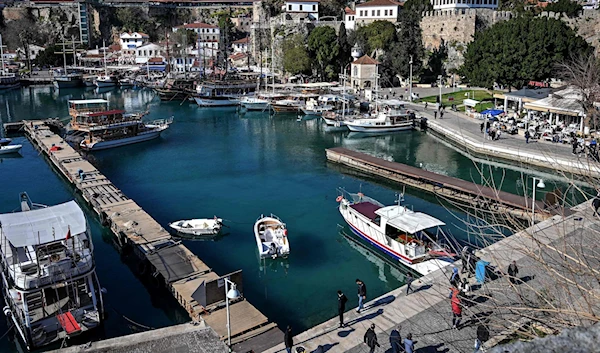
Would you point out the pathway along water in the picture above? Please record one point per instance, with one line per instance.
(214, 162)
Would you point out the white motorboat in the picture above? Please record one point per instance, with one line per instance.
(50, 287)
(105, 81)
(5, 141)
(254, 104)
(10, 149)
(392, 117)
(313, 107)
(271, 237)
(413, 238)
(200, 226)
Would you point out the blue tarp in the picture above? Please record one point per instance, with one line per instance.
(480, 271)
(492, 112)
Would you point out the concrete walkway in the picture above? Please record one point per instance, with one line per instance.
(464, 132)
(427, 312)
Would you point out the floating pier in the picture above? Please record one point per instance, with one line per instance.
(192, 283)
(462, 192)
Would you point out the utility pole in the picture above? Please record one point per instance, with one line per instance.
(440, 85)
(410, 81)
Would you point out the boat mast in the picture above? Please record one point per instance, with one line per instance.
(343, 94)
(64, 52)
(272, 54)
(74, 51)
(376, 88)
(104, 57)
(2, 54)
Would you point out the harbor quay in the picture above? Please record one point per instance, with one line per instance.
(498, 305)
(192, 283)
(465, 134)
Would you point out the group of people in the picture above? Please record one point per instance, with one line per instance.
(406, 345)
(492, 131)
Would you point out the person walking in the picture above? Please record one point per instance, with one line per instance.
(527, 136)
(370, 338)
(362, 294)
(409, 280)
(442, 113)
(455, 278)
(435, 114)
(396, 341)
(513, 271)
(409, 344)
(425, 105)
(456, 308)
(288, 339)
(481, 126)
(483, 334)
(342, 299)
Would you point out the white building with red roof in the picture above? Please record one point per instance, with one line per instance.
(377, 10)
(241, 45)
(363, 72)
(301, 10)
(131, 41)
(208, 35)
(349, 18)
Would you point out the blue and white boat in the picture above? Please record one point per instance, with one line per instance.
(413, 238)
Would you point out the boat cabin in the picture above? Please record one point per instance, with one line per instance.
(87, 106)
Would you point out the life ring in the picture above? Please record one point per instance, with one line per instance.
(285, 232)
(339, 198)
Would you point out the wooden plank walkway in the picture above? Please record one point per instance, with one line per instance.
(181, 270)
(482, 198)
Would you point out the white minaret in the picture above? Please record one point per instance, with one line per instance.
(356, 51)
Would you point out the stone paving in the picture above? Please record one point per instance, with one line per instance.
(427, 314)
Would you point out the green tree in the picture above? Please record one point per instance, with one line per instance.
(417, 6)
(134, 19)
(47, 57)
(525, 48)
(396, 61)
(379, 35)
(435, 64)
(570, 8)
(325, 50)
(295, 56)
(345, 48)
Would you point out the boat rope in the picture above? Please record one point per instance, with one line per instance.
(7, 331)
(128, 319)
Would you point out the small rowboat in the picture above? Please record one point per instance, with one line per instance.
(201, 226)
(10, 149)
(271, 237)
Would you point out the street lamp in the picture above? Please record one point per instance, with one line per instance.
(410, 80)
(232, 293)
(440, 86)
(540, 185)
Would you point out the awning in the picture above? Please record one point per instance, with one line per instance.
(492, 112)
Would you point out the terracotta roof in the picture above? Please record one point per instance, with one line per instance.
(381, 3)
(244, 40)
(365, 60)
(349, 11)
(144, 35)
(238, 56)
(114, 47)
(156, 60)
(198, 25)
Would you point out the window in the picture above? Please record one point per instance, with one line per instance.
(355, 73)
(373, 13)
(289, 7)
(391, 12)
(300, 7)
(378, 13)
(314, 7)
(385, 12)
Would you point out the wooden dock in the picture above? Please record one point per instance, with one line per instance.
(192, 283)
(457, 191)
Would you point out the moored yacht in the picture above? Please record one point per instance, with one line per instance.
(413, 238)
(95, 127)
(106, 81)
(391, 117)
(251, 103)
(49, 281)
(222, 93)
(271, 237)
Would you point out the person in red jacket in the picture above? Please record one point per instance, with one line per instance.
(456, 308)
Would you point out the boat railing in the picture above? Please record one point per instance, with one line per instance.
(162, 122)
(358, 198)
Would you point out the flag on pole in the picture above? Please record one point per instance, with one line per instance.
(68, 234)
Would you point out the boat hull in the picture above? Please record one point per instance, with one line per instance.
(103, 84)
(285, 109)
(378, 129)
(10, 149)
(255, 106)
(102, 145)
(223, 102)
(73, 83)
(5, 86)
(212, 227)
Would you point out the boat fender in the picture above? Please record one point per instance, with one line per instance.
(142, 268)
(339, 198)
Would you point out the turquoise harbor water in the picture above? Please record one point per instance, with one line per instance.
(216, 162)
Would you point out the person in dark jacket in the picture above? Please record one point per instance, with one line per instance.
(362, 294)
(342, 299)
(409, 280)
(455, 278)
(288, 339)
(513, 271)
(396, 341)
(371, 338)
